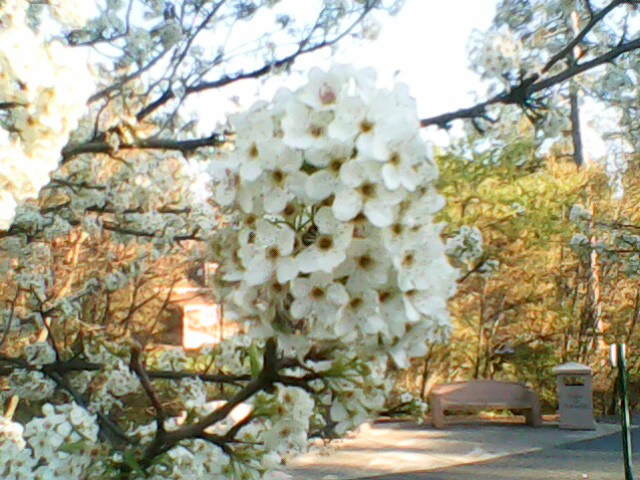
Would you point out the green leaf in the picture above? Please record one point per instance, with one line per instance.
(254, 359)
(130, 460)
(72, 448)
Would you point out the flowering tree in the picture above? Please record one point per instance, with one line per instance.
(319, 212)
(326, 205)
(552, 59)
(320, 216)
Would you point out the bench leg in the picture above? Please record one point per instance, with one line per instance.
(437, 413)
(534, 415)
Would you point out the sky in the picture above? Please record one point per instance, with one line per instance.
(426, 43)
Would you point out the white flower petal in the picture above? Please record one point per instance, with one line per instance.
(379, 214)
(287, 269)
(320, 185)
(355, 172)
(346, 205)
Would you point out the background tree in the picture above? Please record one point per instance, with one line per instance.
(537, 53)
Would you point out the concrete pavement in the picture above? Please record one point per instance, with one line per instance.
(394, 449)
(595, 459)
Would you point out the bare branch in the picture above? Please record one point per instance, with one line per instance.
(9, 322)
(61, 367)
(115, 433)
(10, 105)
(263, 382)
(78, 365)
(136, 365)
(522, 93)
(123, 230)
(259, 72)
(57, 372)
(583, 67)
(568, 49)
(205, 377)
(184, 146)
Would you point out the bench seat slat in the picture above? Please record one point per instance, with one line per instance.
(488, 406)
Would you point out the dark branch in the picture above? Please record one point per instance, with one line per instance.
(136, 365)
(522, 93)
(263, 382)
(123, 230)
(61, 367)
(108, 428)
(205, 377)
(568, 49)
(77, 365)
(583, 67)
(10, 105)
(184, 146)
(57, 372)
(225, 80)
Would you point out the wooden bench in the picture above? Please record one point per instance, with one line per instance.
(484, 395)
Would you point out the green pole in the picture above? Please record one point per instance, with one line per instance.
(624, 413)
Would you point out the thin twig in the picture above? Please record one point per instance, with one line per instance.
(136, 365)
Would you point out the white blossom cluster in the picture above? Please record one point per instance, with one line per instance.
(40, 353)
(45, 86)
(497, 54)
(31, 385)
(466, 245)
(60, 445)
(581, 218)
(330, 191)
(116, 382)
(580, 243)
(356, 392)
(151, 194)
(289, 427)
(579, 214)
(195, 459)
(327, 243)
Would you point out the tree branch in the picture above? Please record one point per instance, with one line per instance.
(522, 93)
(57, 372)
(264, 381)
(184, 146)
(10, 105)
(115, 433)
(259, 72)
(205, 377)
(583, 67)
(595, 19)
(136, 365)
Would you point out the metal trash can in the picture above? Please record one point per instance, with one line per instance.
(575, 396)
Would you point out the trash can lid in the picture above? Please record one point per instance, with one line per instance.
(572, 367)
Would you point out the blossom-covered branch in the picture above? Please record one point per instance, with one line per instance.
(530, 83)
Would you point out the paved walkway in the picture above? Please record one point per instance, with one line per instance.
(595, 459)
(388, 449)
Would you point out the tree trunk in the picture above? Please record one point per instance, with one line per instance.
(576, 131)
